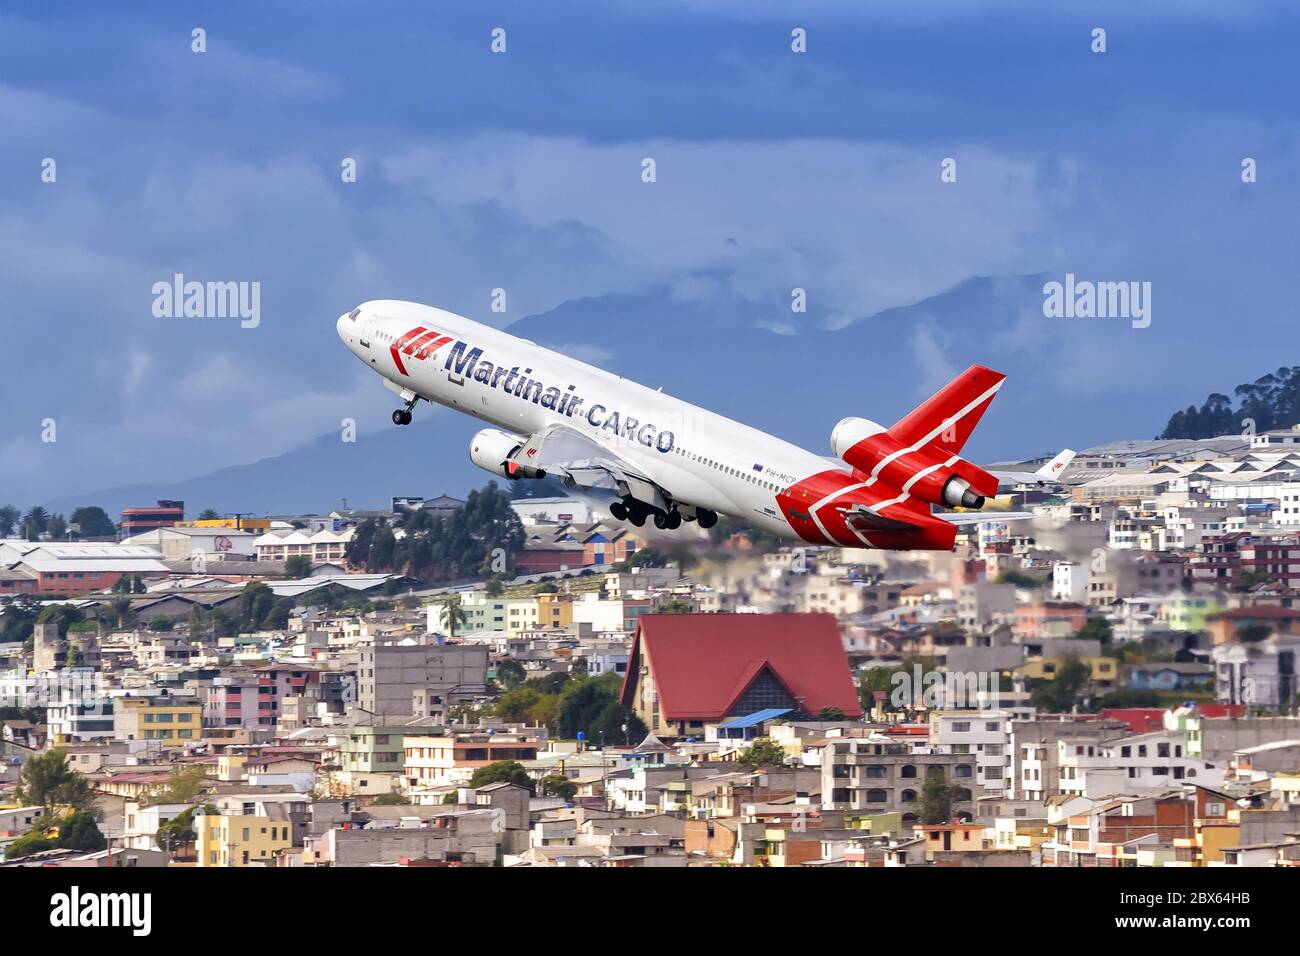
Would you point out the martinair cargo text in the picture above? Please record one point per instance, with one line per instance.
(660, 458)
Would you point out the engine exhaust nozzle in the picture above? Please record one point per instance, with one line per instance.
(957, 494)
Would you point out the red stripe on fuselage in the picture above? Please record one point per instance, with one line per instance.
(797, 503)
(432, 347)
(397, 345)
(415, 343)
(838, 491)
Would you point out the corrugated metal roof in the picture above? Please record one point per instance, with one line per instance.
(751, 720)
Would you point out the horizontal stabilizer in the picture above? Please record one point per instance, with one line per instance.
(977, 517)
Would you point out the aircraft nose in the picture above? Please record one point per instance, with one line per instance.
(346, 324)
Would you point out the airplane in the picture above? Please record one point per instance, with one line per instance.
(1050, 473)
(657, 457)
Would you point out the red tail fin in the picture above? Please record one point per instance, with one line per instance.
(946, 419)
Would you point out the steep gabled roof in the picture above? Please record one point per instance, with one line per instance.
(703, 663)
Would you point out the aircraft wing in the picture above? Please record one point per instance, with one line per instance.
(579, 462)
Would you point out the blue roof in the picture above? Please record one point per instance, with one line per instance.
(757, 717)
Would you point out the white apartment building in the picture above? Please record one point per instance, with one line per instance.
(1069, 582)
(1288, 511)
(985, 734)
(322, 547)
(1157, 759)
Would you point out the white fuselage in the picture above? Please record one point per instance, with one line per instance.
(520, 387)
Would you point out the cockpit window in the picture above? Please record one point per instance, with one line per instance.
(354, 313)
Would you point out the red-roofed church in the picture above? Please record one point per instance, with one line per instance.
(687, 670)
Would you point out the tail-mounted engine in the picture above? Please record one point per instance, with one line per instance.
(927, 472)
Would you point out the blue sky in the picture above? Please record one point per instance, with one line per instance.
(520, 171)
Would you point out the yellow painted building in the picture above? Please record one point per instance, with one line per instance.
(1103, 669)
(240, 840)
(554, 610)
(255, 525)
(171, 720)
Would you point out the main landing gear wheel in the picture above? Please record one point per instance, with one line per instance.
(706, 518)
(403, 415)
(618, 510)
(674, 520)
(661, 520)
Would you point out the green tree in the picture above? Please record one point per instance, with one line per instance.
(393, 799)
(517, 705)
(1020, 579)
(510, 673)
(162, 624)
(937, 798)
(1251, 633)
(297, 566)
(34, 841)
(616, 723)
(198, 625)
(177, 832)
(223, 623)
(1271, 401)
(502, 771)
(186, 783)
(646, 558)
(552, 683)
(93, 522)
(465, 543)
(830, 713)
(675, 606)
(35, 522)
(1098, 629)
(451, 613)
(762, 752)
(557, 785)
(122, 609)
(17, 615)
(254, 604)
(57, 527)
(47, 781)
(1063, 693)
(277, 615)
(9, 516)
(208, 514)
(1250, 579)
(582, 708)
(64, 614)
(495, 586)
(80, 831)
